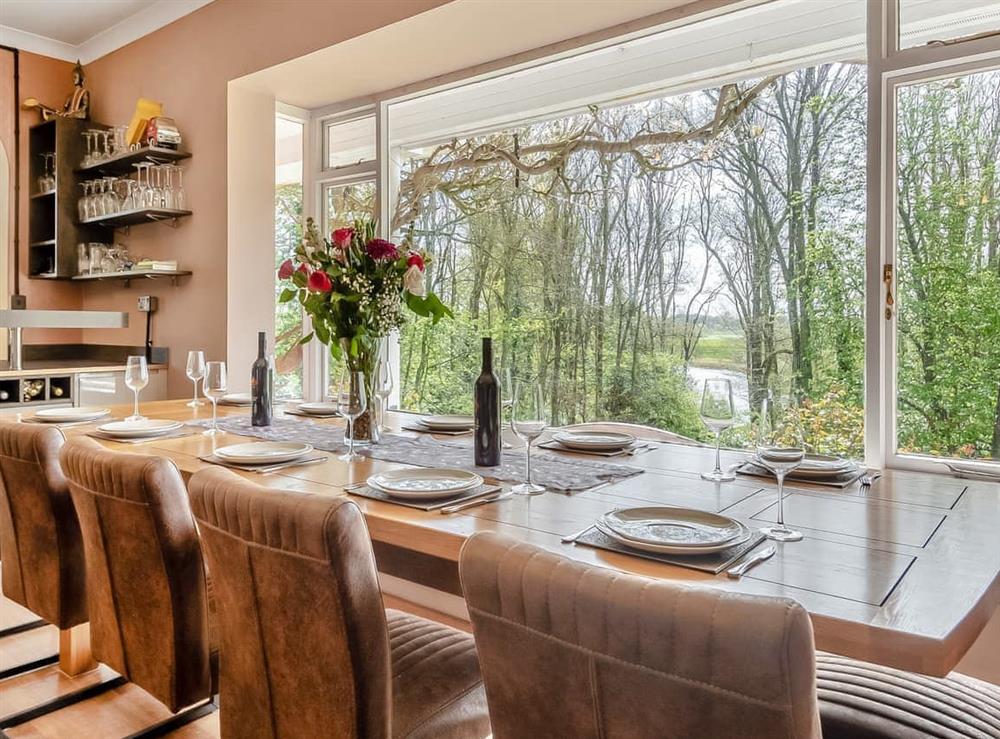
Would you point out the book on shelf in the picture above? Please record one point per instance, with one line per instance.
(156, 265)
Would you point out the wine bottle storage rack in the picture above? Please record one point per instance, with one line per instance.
(54, 389)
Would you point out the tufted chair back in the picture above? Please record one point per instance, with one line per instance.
(43, 566)
(601, 654)
(289, 564)
(147, 587)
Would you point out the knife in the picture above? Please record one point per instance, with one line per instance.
(742, 568)
(493, 498)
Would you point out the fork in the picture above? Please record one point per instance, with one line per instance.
(869, 478)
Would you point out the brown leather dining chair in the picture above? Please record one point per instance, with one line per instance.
(604, 654)
(146, 583)
(43, 566)
(43, 562)
(307, 648)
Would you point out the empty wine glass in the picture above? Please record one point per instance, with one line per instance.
(214, 386)
(136, 378)
(780, 449)
(352, 400)
(528, 419)
(195, 371)
(383, 384)
(717, 413)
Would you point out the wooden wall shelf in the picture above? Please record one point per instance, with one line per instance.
(123, 164)
(135, 274)
(138, 217)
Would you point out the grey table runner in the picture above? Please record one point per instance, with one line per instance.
(555, 473)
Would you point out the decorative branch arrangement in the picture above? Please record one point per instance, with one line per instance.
(459, 164)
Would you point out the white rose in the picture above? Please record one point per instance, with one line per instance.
(413, 281)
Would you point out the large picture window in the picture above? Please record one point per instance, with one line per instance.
(625, 268)
(693, 202)
(948, 262)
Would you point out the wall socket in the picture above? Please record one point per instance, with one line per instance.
(147, 304)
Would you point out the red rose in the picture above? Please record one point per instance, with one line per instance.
(319, 282)
(286, 269)
(304, 268)
(415, 260)
(379, 249)
(342, 237)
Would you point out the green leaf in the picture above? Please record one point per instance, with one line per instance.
(305, 339)
(287, 294)
(322, 332)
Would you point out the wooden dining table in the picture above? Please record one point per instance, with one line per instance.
(905, 573)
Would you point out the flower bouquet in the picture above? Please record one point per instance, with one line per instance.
(355, 288)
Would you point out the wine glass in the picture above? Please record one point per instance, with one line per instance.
(214, 387)
(136, 378)
(717, 414)
(383, 384)
(195, 371)
(528, 419)
(352, 400)
(780, 449)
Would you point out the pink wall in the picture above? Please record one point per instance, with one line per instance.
(186, 66)
(49, 80)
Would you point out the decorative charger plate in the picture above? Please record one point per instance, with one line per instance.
(68, 415)
(666, 525)
(425, 484)
(594, 441)
(447, 423)
(745, 535)
(135, 429)
(263, 452)
(319, 409)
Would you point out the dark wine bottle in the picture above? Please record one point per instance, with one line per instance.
(486, 402)
(261, 384)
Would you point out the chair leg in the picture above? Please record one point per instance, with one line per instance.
(30, 714)
(29, 666)
(178, 720)
(21, 628)
(75, 656)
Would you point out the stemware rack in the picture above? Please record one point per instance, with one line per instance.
(53, 219)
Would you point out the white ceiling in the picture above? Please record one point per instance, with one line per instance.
(85, 29)
(454, 36)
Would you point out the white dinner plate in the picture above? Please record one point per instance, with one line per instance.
(263, 452)
(447, 423)
(319, 409)
(69, 415)
(425, 484)
(815, 467)
(674, 527)
(236, 399)
(137, 429)
(674, 549)
(989, 471)
(594, 441)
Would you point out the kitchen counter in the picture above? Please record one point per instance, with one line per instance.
(41, 367)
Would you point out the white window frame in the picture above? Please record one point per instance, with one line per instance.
(890, 67)
(303, 117)
(316, 356)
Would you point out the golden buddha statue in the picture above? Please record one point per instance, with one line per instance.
(77, 105)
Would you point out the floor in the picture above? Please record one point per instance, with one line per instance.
(115, 713)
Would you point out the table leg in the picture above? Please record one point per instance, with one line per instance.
(74, 650)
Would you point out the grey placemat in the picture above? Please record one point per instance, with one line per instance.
(840, 481)
(714, 563)
(424, 505)
(560, 474)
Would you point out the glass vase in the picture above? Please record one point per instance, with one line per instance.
(365, 427)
